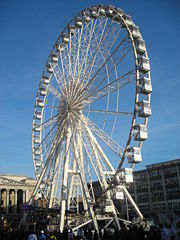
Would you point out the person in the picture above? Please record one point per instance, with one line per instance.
(32, 236)
(70, 234)
(53, 237)
(171, 232)
(42, 236)
(164, 233)
(96, 236)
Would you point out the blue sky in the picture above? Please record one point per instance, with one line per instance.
(28, 30)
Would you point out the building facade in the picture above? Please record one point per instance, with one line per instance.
(154, 189)
(157, 188)
(14, 191)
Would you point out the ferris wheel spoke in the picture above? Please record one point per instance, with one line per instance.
(47, 123)
(64, 181)
(48, 179)
(63, 75)
(88, 150)
(79, 161)
(84, 167)
(76, 67)
(121, 57)
(44, 169)
(111, 143)
(106, 48)
(85, 46)
(59, 78)
(44, 139)
(89, 83)
(96, 44)
(89, 154)
(69, 62)
(91, 48)
(100, 151)
(97, 158)
(91, 32)
(113, 68)
(89, 67)
(102, 78)
(109, 112)
(54, 91)
(112, 86)
(53, 107)
(58, 185)
(70, 193)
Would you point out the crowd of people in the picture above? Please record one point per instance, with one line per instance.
(127, 232)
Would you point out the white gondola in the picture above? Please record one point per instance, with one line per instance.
(143, 109)
(43, 91)
(55, 57)
(49, 68)
(117, 18)
(37, 174)
(72, 29)
(134, 155)
(36, 151)
(86, 18)
(143, 64)
(124, 176)
(140, 132)
(36, 139)
(93, 13)
(135, 31)
(37, 158)
(65, 39)
(40, 103)
(102, 12)
(144, 86)
(46, 80)
(38, 115)
(140, 46)
(79, 22)
(120, 11)
(38, 164)
(37, 127)
(109, 13)
(128, 19)
(59, 47)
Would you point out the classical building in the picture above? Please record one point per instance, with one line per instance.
(14, 191)
(157, 188)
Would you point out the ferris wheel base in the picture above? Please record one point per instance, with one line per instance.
(109, 219)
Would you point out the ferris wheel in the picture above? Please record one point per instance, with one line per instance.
(91, 110)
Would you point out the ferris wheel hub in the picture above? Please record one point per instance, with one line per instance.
(62, 107)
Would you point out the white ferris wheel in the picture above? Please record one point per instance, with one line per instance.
(91, 111)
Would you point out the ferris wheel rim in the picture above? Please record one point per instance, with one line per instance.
(68, 144)
(135, 55)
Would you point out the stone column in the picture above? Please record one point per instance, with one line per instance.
(7, 200)
(24, 196)
(0, 198)
(27, 196)
(15, 200)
